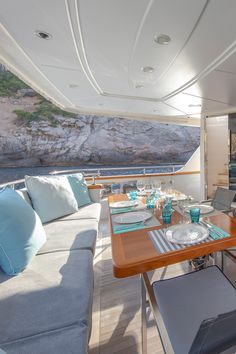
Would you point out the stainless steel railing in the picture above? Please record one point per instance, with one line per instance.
(106, 172)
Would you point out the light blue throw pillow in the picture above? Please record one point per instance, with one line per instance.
(21, 232)
(52, 196)
(80, 189)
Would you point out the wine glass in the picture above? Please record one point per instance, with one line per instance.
(140, 186)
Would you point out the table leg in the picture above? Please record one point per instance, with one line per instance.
(144, 317)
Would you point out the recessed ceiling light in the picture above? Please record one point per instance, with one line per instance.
(155, 110)
(162, 39)
(139, 86)
(73, 85)
(147, 69)
(100, 104)
(43, 34)
(194, 105)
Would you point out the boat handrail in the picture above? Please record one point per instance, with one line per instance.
(93, 178)
(141, 168)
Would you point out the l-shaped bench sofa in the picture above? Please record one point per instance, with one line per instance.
(47, 308)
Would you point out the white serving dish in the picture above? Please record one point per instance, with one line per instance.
(186, 233)
(124, 204)
(204, 209)
(132, 217)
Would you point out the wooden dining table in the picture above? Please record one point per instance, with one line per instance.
(133, 253)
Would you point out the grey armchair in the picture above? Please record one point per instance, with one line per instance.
(198, 311)
(222, 200)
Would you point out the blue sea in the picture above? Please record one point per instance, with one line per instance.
(11, 174)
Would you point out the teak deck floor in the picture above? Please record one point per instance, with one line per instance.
(116, 309)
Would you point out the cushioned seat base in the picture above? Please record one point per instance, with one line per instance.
(69, 340)
(187, 300)
(54, 292)
(70, 235)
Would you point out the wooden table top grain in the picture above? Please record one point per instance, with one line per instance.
(134, 253)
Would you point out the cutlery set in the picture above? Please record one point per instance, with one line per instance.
(215, 232)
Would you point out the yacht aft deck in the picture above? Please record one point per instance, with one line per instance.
(117, 303)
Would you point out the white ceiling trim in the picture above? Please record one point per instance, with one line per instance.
(26, 78)
(142, 22)
(80, 49)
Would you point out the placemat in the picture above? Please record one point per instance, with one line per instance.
(162, 245)
(152, 222)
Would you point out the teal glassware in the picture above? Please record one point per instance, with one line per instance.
(195, 214)
(166, 214)
(150, 202)
(133, 195)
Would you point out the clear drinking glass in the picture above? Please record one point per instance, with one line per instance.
(140, 186)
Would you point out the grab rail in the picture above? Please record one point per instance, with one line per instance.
(95, 178)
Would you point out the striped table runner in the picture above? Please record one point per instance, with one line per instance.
(162, 245)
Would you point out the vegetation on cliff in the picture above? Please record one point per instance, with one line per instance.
(10, 84)
(44, 110)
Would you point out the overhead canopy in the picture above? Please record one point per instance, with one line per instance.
(149, 59)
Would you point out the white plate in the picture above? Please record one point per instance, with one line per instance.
(186, 233)
(179, 197)
(124, 204)
(204, 209)
(132, 217)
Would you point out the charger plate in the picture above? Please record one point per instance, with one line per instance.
(132, 217)
(204, 209)
(186, 234)
(124, 204)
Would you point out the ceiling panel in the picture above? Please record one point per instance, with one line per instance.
(97, 49)
(192, 105)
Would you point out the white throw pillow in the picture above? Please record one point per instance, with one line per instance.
(52, 197)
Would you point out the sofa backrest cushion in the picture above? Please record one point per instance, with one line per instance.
(21, 232)
(52, 197)
(79, 188)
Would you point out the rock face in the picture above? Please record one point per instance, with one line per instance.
(95, 140)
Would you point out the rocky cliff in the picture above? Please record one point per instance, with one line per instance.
(88, 139)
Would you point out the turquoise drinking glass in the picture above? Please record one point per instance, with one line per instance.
(133, 195)
(168, 202)
(195, 214)
(166, 214)
(150, 202)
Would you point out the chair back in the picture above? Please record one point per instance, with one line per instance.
(223, 199)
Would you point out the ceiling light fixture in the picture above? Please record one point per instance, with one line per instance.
(147, 69)
(43, 34)
(139, 86)
(73, 85)
(162, 39)
(194, 105)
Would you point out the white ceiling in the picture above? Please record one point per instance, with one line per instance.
(93, 61)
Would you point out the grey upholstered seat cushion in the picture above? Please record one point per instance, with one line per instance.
(68, 340)
(187, 300)
(54, 292)
(91, 211)
(70, 235)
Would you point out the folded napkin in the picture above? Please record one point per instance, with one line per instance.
(119, 229)
(215, 232)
